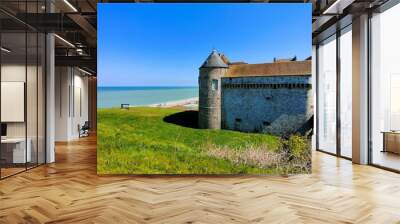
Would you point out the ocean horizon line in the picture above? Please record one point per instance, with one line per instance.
(143, 88)
(148, 86)
(114, 96)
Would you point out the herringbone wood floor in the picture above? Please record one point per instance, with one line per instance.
(69, 191)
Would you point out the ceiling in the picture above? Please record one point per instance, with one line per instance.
(332, 15)
(73, 21)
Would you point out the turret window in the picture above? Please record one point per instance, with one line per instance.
(214, 84)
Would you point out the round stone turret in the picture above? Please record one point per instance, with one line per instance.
(210, 91)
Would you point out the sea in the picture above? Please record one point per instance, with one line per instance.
(108, 97)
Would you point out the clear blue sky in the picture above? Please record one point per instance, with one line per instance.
(165, 44)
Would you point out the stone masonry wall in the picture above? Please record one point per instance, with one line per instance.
(209, 98)
(279, 105)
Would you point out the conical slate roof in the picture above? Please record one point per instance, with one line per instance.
(214, 60)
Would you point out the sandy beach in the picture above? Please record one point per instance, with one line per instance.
(189, 103)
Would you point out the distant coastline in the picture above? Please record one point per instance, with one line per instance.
(114, 96)
(190, 103)
(143, 87)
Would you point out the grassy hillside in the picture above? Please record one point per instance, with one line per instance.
(166, 141)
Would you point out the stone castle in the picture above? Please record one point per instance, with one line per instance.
(274, 98)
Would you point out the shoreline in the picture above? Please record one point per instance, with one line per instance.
(192, 102)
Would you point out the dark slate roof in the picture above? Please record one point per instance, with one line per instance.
(214, 60)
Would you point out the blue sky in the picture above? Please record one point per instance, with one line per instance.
(165, 44)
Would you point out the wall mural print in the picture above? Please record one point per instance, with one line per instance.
(204, 89)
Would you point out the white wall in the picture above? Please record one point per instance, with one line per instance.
(33, 126)
(80, 110)
(17, 72)
(71, 102)
(62, 83)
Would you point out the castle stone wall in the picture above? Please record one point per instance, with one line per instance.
(279, 105)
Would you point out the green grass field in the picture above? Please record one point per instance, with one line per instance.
(166, 141)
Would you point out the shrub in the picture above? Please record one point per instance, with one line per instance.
(297, 145)
(297, 151)
(253, 155)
